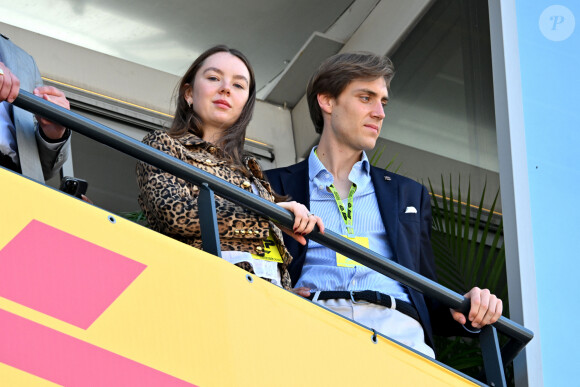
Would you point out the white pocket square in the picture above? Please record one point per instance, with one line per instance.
(411, 210)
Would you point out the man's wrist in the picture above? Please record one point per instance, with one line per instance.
(63, 138)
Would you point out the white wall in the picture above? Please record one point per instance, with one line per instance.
(273, 125)
(94, 71)
(135, 83)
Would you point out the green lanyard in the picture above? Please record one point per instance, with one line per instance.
(346, 213)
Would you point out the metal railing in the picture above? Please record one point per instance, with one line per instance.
(494, 359)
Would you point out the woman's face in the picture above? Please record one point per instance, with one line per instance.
(220, 92)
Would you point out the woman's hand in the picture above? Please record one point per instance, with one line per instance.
(304, 221)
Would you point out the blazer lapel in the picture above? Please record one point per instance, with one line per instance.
(19, 62)
(22, 65)
(387, 193)
(296, 183)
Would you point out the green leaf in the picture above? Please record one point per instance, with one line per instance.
(376, 156)
(378, 153)
(462, 256)
(135, 216)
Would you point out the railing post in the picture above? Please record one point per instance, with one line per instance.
(492, 362)
(210, 237)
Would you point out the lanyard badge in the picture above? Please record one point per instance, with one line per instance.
(271, 252)
(346, 213)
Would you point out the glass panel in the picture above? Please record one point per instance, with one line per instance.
(442, 95)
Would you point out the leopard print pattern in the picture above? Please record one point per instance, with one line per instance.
(170, 203)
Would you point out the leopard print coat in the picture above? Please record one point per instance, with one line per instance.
(170, 203)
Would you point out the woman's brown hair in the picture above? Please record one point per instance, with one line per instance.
(186, 119)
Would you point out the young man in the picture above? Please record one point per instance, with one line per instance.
(386, 212)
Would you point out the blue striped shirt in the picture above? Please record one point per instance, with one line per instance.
(320, 271)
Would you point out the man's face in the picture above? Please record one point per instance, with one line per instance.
(356, 116)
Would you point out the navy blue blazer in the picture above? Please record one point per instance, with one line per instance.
(409, 234)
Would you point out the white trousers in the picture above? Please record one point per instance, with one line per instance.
(389, 322)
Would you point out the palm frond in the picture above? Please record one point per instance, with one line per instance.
(464, 259)
(378, 153)
(459, 241)
(135, 216)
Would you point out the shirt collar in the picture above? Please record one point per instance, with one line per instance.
(189, 139)
(316, 170)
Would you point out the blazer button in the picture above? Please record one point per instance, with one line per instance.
(212, 149)
(259, 248)
(237, 232)
(207, 162)
(242, 232)
(246, 184)
(250, 232)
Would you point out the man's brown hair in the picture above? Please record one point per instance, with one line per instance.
(335, 73)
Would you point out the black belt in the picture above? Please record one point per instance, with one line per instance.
(372, 297)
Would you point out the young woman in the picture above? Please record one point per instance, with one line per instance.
(214, 106)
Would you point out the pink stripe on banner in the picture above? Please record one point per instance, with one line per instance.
(62, 275)
(65, 360)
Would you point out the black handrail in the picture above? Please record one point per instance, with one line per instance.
(519, 335)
